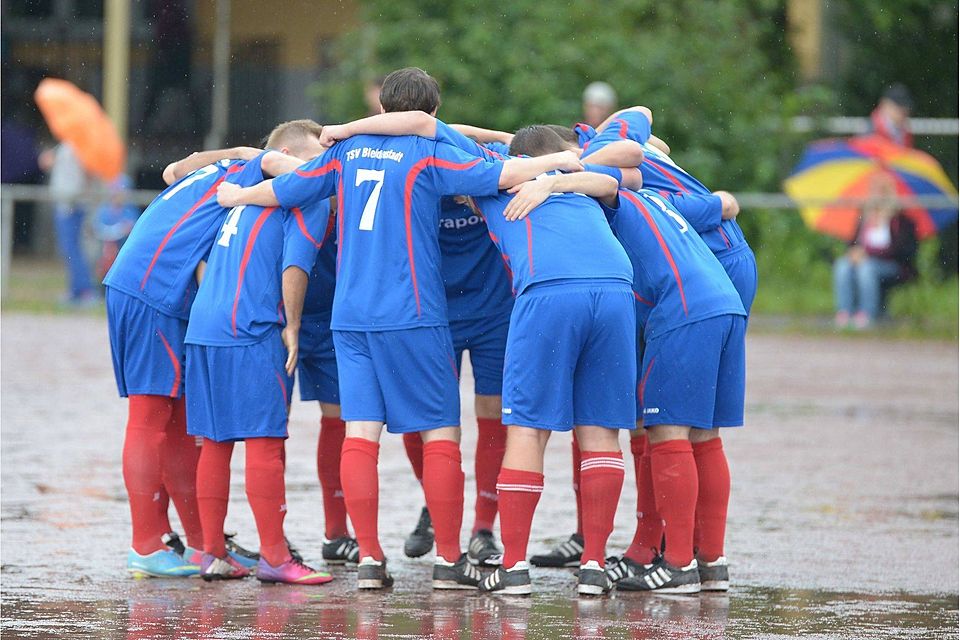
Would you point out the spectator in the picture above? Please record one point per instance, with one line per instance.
(891, 118)
(114, 221)
(881, 254)
(599, 101)
(68, 181)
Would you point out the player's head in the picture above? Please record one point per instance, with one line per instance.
(537, 140)
(410, 89)
(298, 138)
(371, 95)
(599, 101)
(567, 134)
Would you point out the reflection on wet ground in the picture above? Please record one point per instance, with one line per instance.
(843, 517)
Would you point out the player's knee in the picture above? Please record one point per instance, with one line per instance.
(592, 438)
(488, 406)
(329, 410)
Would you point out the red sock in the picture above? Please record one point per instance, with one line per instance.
(576, 483)
(601, 473)
(361, 492)
(267, 495)
(142, 469)
(443, 488)
(491, 444)
(180, 457)
(649, 533)
(164, 505)
(519, 493)
(413, 444)
(328, 469)
(675, 488)
(213, 493)
(712, 498)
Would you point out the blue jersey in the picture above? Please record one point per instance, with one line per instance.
(566, 237)
(240, 301)
(158, 260)
(389, 187)
(323, 278)
(676, 279)
(663, 175)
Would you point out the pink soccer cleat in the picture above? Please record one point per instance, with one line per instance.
(292, 571)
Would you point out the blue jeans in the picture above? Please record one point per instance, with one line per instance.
(68, 223)
(858, 287)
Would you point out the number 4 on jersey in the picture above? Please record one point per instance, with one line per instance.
(229, 228)
(370, 209)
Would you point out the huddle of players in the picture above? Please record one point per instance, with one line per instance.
(584, 301)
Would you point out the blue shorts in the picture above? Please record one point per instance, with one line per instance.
(406, 378)
(317, 365)
(241, 392)
(694, 375)
(146, 346)
(571, 356)
(741, 266)
(486, 339)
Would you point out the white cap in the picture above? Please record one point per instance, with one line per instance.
(600, 93)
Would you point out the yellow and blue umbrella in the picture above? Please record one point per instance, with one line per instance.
(833, 176)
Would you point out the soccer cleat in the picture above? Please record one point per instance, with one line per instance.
(565, 554)
(455, 575)
(214, 568)
(483, 550)
(714, 576)
(165, 563)
(620, 567)
(343, 550)
(513, 582)
(293, 571)
(593, 580)
(245, 557)
(172, 540)
(420, 540)
(373, 574)
(664, 578)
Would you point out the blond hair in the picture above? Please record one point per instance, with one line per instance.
(291, 134)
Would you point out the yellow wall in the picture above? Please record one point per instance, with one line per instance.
(805, 33)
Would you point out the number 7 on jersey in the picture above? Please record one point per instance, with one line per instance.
(370, 208)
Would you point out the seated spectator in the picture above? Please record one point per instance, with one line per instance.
(880, 255)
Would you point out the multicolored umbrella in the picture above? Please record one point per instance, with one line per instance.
(75, 117)
(834, 177)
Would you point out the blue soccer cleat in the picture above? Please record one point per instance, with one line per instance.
(164, 563)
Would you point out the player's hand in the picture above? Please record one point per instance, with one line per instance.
(527, 197)
(228, 194)
(291, 340)
(731, 208)
(569, 162)
(333, 133)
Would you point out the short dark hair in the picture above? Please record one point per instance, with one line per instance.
(410, 89)
(536, 140)
(566, 133)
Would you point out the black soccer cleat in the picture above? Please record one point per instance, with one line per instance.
(593, 580)
(620, 567)
(420, 540)
(342, 550)
(483, 550)
(455, 575)
(511, 582)
(373, 574)
(664, 578)
(714, 576)
(565, 554)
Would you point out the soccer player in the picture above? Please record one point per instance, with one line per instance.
(149, 290)
(242, 346)
(394, 352)
(712, 216)
(570, 357)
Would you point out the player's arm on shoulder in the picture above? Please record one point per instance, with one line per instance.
(294, 287)
(482, 135)
(199, 159)
(399, 123)
(622, 153)
(659, 144)
(233, 195)
(639, 108)
(529, 195)
(517, 170)
(275, 163)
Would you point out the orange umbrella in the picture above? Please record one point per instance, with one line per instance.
(75, 117)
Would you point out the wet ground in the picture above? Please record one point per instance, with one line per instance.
(843, 518)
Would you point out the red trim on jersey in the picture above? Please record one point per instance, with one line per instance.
(174, 361)
(529, 244)
(669, 176)
(622, 132)
(643, 381)
(247, 250)
(642, 299)
(724, 236)
(496, 241)
(332, 165)
(412, 175)
(302, 224)
(163, 243)
(663, 245)
(283, 387)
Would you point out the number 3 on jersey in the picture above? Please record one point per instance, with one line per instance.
(370, 208)
(229, 228)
